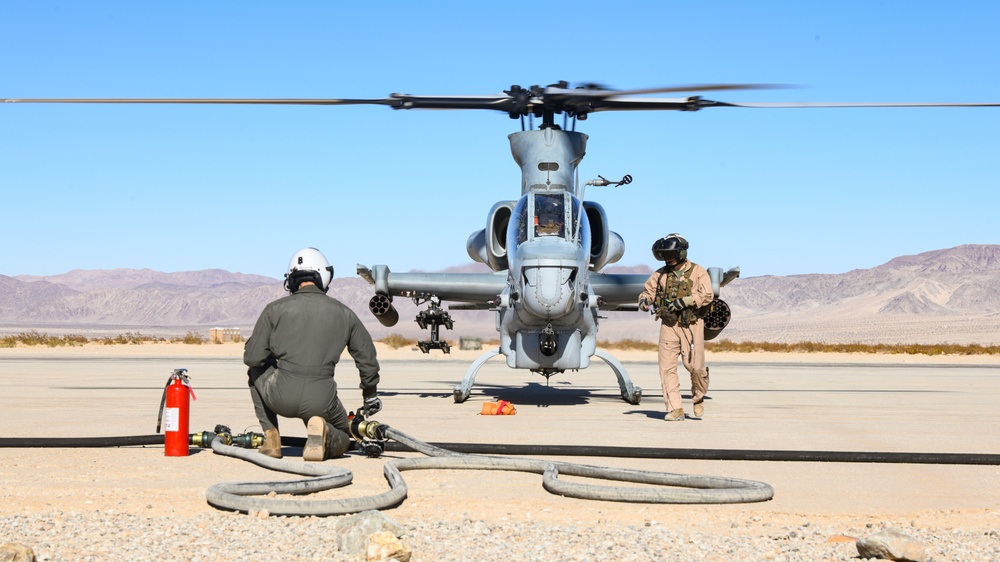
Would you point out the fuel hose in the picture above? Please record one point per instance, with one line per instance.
(79, 442)
(246, 496)
(674, 453)
(668, 487)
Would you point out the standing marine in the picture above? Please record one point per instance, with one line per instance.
(678, 294)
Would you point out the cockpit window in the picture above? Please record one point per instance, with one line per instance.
(542, 215)
(518, 228)
(550, 215)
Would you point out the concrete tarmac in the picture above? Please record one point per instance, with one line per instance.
(802, 404)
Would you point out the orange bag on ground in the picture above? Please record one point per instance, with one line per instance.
(501, 408)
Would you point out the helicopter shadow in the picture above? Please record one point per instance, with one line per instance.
(535, 394)
(532, 394)
(417, 393)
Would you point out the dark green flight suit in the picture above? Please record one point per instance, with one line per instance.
(292, 355)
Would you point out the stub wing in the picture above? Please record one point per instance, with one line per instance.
(621, 291)
(476, 290)
(618, 291)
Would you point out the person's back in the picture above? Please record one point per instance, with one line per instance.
(292, 355)
(307, 333)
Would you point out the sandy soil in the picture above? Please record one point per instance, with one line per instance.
(846, 402)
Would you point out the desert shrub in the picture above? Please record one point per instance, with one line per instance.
(32, 338)
(69, 340)
(35, 338)
(630, 344)
(397, 341)
(133, 338)
(191, 338)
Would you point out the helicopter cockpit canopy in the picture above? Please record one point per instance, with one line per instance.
(544, 215)
(550, 215)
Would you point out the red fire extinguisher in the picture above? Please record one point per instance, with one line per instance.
(175, 411)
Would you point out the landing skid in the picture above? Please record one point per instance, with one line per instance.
(630, 393)
(462, 391)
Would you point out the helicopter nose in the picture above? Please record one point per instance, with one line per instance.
(548, 290)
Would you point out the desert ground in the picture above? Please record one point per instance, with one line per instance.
(777, 401)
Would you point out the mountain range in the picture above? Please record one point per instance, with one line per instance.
(940, 296)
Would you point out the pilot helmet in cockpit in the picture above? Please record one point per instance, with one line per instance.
(549, 215)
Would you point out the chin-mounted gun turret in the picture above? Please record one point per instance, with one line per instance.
(369, 434)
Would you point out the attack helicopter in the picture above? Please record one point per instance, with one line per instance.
(547, 248)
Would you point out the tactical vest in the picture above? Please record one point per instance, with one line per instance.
(675, 288)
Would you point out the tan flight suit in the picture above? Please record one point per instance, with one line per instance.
(677, 338)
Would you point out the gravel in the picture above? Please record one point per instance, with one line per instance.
(109, 535)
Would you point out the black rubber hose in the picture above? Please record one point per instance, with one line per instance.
(712, 454)
(568, 451)
(78, 442)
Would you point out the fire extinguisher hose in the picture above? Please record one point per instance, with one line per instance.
(674, 488)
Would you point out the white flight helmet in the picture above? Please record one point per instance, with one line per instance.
(308, 264)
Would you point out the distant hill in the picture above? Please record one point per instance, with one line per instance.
(950, 295)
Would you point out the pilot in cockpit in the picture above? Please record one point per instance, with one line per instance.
(549, 216)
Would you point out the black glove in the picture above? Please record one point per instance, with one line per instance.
(676, 305)
(643, 305)
(373, 405)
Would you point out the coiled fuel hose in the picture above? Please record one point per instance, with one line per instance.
(683, 489)
(476, 456)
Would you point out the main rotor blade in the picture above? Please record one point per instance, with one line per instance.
(808, 104)
(605, 93)
(695, 103)
(707, 88)
(240, 101)
(501, 102)
(579, 101)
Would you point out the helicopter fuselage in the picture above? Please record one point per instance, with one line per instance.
(546, 317)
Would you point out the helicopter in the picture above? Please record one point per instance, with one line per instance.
(546, 249)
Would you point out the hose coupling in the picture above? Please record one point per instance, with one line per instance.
(367, 429)
(248, 440)
(204, 439)
(369, 434)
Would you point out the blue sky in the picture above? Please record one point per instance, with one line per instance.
(241, 188)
